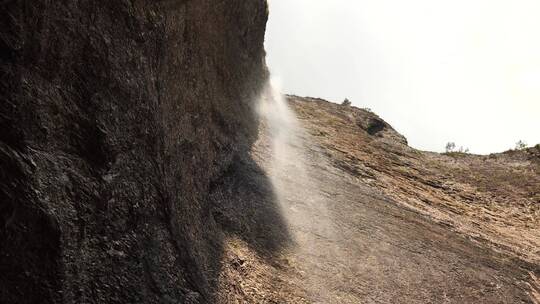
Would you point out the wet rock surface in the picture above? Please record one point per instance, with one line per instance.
(117, 117)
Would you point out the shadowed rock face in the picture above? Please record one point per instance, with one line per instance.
(117, 120)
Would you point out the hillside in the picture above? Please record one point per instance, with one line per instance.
(367, 219)
(145, 159)
(490, 198)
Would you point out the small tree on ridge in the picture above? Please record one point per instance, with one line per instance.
(520, 145)
(450, 147)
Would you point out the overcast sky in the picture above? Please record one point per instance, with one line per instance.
(466, 71)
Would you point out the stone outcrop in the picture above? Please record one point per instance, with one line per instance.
(116, 118)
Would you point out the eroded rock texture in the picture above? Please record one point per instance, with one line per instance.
(116, 117)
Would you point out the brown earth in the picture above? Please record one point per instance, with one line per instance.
(375, 221)
(491, 198)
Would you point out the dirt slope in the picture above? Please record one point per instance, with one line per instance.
(374, 221)
(493, 198)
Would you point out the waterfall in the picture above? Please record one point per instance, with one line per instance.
(297, 188)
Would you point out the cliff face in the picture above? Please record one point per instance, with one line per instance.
(117, 118)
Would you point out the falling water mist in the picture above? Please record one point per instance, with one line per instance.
(296, 187)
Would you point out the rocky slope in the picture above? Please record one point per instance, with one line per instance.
(492, 198)
(139, 163)
(117, 117)
(372, 220)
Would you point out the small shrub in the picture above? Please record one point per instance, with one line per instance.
(450, 147)
(521, 145)
(463, 150)
(346, 102)
(452, 150)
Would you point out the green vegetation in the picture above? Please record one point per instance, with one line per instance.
(451, 148)
(521, 145)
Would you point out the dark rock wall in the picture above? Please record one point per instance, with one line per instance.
(116, 116)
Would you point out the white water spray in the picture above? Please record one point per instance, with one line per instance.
(284, 133)
(297, 189)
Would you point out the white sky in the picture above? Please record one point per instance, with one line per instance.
(466, 71)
